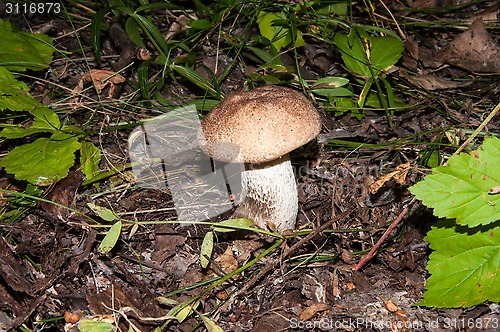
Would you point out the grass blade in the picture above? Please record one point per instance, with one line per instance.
(95, 30)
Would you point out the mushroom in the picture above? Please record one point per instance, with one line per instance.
(259, 128)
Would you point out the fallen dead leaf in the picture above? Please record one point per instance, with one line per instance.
(100, 78)
(225, 263)
(490, 14)
(312, 310)
(180, 24)
(432, 82)
(399, 175)
(473, 50)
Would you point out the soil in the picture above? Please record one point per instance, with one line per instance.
(53, 273)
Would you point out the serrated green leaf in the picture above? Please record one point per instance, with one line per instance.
(207, 247)
(19, 132)
(43, 161)
(460, 190)
(14, 94)
(232, 225)
(103, 212)
(87, 325)
(109, 241)
(464, 266)
(45, 120)
(90, 157)
(21, 51)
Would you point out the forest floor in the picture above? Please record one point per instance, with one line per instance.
(53, 272)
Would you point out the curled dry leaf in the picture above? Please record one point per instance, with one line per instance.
(100, 79)
(399, 175)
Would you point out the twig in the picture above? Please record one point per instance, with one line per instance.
(375, 248)
(292, 250)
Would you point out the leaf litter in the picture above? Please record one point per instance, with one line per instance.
(158, 260)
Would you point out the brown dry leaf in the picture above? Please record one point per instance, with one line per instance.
(225, 263)
(310, 311)
(410, 56)
(335, 284)
(180, 24)
(63, 193)
(473, 50)
(432, 82)
(490, 14)
(100, 78)
(399, 175)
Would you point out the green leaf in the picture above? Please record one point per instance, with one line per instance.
(338, 9)
(271, 27)
(333, 92)
(210, 324)
(182, 311)
(464, 266)
(21, 51)
(95, 31)
(87, 325)
(207, 247)
(90, 157)
(195, 78)
(200, 24)
(460, 190)
(153, 33)
(385, 52)
(43, 161)
(368, 55)
(109, 241)
(231, 225)
(265, 56)
(353, 54)
(14, 94)
(133, 32)
(103, 212)
(45, 120)
(330, 82)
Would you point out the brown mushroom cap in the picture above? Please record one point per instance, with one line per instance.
(259, 125)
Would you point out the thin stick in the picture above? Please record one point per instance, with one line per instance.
(292, 250)
(375, 248)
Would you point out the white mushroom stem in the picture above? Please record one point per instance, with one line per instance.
(269, 195)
